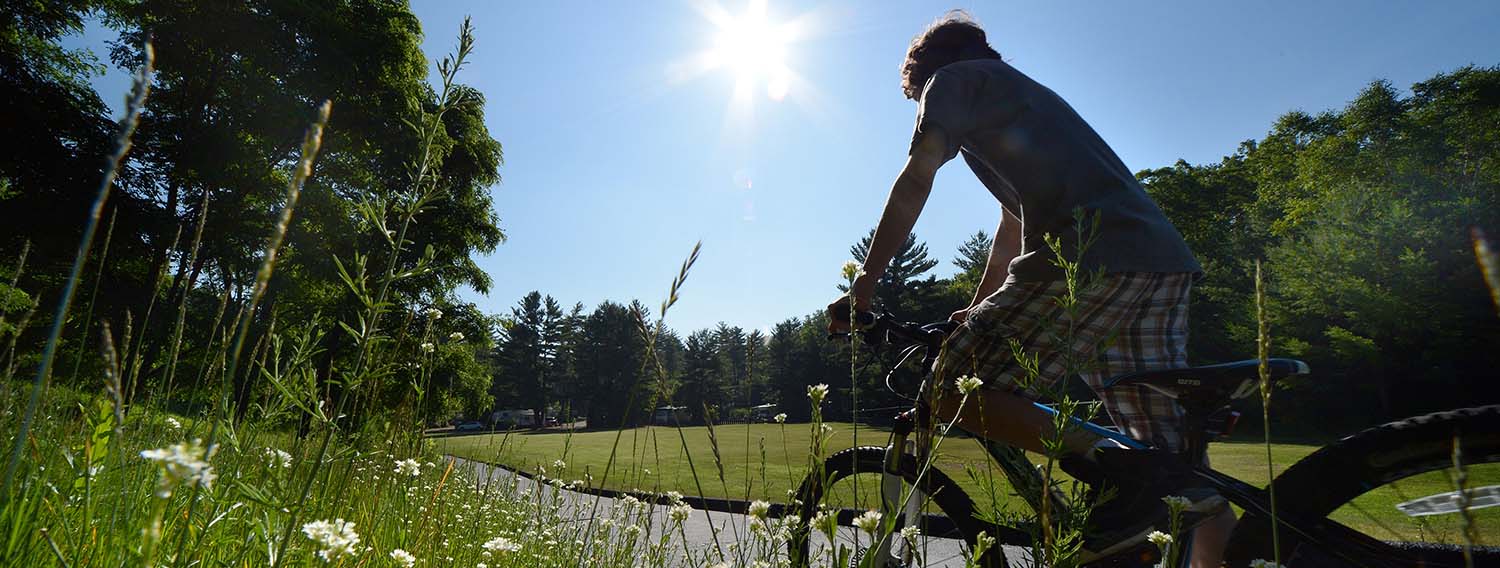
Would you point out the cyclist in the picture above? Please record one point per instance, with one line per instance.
(1042, 161)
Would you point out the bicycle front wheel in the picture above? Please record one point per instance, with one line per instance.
(1396, 483)
(842, 492)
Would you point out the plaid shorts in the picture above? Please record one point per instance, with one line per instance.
(1126, 322)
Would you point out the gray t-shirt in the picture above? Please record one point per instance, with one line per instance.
(1041, 161)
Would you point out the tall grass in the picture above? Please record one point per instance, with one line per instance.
(89, 484)
(140, 88)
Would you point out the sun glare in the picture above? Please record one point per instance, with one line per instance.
(754, 49)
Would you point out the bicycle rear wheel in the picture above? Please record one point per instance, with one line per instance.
(1395, 483)
(834, 494)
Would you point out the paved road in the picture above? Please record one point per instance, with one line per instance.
(700, 533)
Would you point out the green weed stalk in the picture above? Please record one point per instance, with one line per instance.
(1263, 345)
(140, 88)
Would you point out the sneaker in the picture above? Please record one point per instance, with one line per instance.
(1138, 480)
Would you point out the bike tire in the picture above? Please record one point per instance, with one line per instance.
(1377, 458)
(942, 490)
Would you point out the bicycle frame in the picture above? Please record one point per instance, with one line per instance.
(1031, 486)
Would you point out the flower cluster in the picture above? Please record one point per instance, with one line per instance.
(428, 347)
(184, 463)
(1159, 538)
(1176, 503)
(408, 467)
(759, 509)
(501, 544)
(172, 422)
(851, 270)
(817, 393)
(968, 383)
(780, 418)
(277, 457)
(335, 540)
(434, 313)
(868, 522)
(680, 512)
(403, 558)
(455, 336)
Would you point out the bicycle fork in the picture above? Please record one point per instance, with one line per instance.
(894, 505)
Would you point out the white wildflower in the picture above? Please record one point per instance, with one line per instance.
(428, 347)
(910, 533)
(675, 497)
(968, 383)
(560, 465)
(404, 558)
(455, 336)
(817, 393)
(501, 544)
(680, 512)
(824, 522)
(868, 522)
(174, 423)
(336, 539)
(277, 457)
(780, 418)
(851, 270)
(759, 509)
(1176, 503)
(1159, 538)
(408, 467)
(184, 463)
(434, 313)
(826, 429)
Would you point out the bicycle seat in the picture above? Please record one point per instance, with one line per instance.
(1234, 380)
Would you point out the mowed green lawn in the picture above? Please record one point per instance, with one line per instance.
(764, 461)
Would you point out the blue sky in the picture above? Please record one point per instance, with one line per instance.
(616, 161)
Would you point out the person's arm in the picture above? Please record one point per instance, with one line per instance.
(1005, 247)
(908, 196)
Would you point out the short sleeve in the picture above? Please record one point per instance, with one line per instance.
(946, 107)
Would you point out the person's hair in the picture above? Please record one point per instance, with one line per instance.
(951, 38)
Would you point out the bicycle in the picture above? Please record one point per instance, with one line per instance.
(1313, 496)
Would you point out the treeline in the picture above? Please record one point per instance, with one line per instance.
(235, 86)
(1361, 217)
(595, 366)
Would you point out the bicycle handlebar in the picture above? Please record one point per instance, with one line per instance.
(885, 328)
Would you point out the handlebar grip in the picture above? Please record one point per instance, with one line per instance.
(862, 319)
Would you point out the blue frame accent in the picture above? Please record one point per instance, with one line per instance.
(1097, 430)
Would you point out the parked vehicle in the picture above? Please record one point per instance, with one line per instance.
(470, 426)
(513, 418)
(762, 413)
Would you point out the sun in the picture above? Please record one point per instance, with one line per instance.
(754, 49)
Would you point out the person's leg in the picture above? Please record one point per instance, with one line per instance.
(1009, 417)
(1210, 539)
(1026, 317)
(1153, 337)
